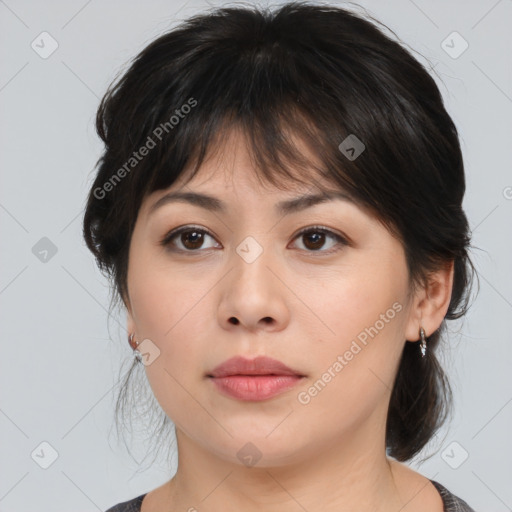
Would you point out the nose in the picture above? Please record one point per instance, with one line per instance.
(253, 295)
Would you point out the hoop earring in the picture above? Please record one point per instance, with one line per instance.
(134, 344)
(423, 344)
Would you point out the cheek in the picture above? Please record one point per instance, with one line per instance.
(354, 376)
(363, 301)
(169, 309)
(172, 317)
(165, 299)
(359, 348)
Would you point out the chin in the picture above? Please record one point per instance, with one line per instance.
(259, 450)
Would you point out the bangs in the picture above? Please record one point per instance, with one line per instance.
(284, 151)
(287, 144)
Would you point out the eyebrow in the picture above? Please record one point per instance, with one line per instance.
(214, 204)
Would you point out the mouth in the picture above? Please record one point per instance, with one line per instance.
(254, 380)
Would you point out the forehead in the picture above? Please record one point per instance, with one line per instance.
(230, 164)
(215, 187)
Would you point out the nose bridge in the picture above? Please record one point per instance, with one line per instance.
(253, 295)
(251, 258)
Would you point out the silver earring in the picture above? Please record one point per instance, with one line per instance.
(134, 344)
(423, 344)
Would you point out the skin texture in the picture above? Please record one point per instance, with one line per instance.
(293, 303)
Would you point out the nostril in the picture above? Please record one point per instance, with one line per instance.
(234, 320)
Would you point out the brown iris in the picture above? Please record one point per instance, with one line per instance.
(317, 238)
(194, 237)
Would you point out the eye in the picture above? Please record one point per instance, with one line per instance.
(315, 237)
(190, 238)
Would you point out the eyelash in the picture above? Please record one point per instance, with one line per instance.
(166, 241)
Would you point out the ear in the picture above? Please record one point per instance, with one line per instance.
(431, 303)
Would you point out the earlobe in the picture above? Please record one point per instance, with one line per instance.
(431, 303)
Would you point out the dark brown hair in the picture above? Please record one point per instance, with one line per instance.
(319, 73)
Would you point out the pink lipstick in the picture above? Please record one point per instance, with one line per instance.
(254, 379)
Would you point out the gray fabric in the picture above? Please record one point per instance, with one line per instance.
(128, 506)
(451, 502)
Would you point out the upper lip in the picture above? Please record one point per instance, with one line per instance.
(261, 365)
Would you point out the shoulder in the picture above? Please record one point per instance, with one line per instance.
(132, 505)
(426, 494)
(451, 502)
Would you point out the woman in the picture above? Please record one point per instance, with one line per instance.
(279, 204)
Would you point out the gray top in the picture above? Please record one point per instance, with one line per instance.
(451, 502)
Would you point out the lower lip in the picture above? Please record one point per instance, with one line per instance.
(255, 388)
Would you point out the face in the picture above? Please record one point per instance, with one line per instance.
(331, 304)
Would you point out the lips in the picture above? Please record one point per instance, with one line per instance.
(252, 380)
(261, 365)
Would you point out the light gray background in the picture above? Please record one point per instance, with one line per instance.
(60, 367)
